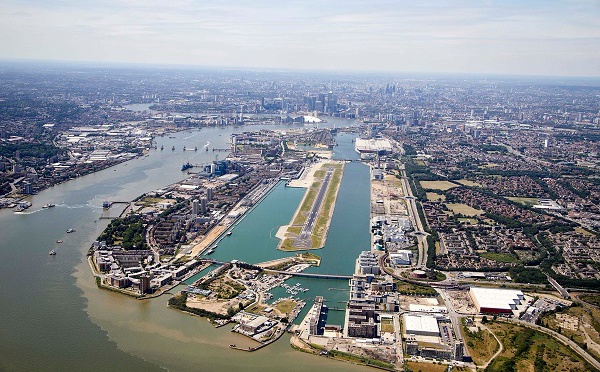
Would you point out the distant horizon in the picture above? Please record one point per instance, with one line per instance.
(499, 37)
(190, 67)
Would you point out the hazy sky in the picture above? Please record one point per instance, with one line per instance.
(487, 36)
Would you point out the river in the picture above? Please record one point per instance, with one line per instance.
(56, 319)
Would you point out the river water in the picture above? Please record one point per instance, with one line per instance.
(54, 318)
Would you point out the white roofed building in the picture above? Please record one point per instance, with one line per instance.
(495, 300)
(422, 325)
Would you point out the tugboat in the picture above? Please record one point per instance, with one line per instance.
(186, 166)
(195, 148)
(52, 253)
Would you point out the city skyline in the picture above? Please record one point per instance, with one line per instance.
(517, 38)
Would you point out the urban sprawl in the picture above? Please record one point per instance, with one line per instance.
(484, 205)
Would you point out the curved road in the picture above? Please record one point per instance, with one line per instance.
(500, 348)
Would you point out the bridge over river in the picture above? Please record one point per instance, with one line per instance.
(304, 275)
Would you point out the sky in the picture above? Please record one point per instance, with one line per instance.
(517, 37)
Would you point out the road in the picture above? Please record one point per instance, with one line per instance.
(417, 223)
(563, 292)
(500, 349)
(398, 333)
(454, 319)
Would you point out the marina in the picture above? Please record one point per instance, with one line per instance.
(295, 289)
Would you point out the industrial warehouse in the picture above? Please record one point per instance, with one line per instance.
(369, 147)
(421, 325)
(496, 301)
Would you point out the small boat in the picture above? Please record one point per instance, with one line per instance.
(70, 231)
(183, 148)
(173, 148)
(195, 148)
(162, 148)
(59, 241)
(22, 206)
(52, 253)
(229, 233)
(49, 205)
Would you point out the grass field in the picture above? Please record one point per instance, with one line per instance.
(285, 306)
(583, 231)
(438, 185)
(529, 350)
(481, 345)
(468, 183)
(464, 209)
(500, 257)
(310, 257)
(524, 201)
(416, 290)
(150, 201)
(432, 196)
(387, 325)
(394, 181)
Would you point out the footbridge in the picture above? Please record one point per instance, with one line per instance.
(309, 275)
(304, 275)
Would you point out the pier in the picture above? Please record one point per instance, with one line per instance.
(108, 204)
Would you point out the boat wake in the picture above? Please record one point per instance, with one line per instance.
(188, 137)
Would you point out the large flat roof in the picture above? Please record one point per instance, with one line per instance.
(420, 323)
(496, 298)
(372, 145)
